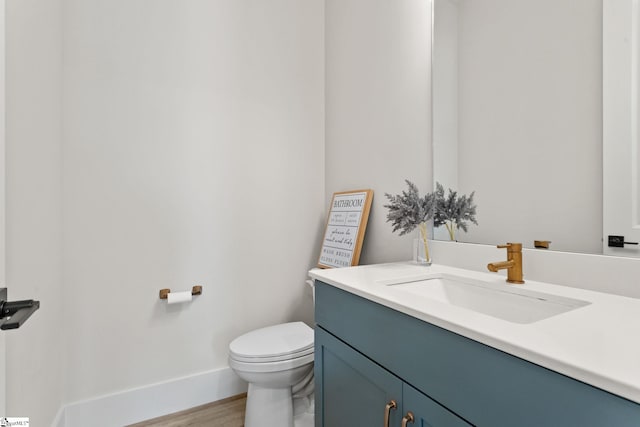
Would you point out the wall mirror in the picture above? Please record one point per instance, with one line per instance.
(518, 117)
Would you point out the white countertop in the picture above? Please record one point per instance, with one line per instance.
(598, 344)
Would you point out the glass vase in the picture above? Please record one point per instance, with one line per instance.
(421, 254)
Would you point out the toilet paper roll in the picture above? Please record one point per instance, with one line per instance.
(178, 297)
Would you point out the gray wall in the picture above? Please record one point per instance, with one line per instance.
(150, 145)
(378, 108)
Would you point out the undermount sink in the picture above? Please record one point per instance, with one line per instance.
(506, 302)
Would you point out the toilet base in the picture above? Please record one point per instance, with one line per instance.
(303, 411)
(268, 407)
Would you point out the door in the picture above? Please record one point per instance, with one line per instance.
(351, 390)
(2, 210)
(621, 128)
(420, 411)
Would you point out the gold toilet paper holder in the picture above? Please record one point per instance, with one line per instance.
(196, 290)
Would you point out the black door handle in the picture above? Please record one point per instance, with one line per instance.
(18, 313)
(618, 242)
(13, 314)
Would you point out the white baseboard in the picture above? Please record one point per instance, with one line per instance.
(132, 406)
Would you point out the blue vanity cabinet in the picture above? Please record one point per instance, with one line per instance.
(367, 354)
(354, 391)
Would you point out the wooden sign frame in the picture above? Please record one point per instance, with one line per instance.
(346, 225)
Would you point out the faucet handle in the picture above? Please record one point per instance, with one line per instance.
(511, 247)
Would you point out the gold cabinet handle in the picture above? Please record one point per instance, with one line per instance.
(387, 411)
(407, 419)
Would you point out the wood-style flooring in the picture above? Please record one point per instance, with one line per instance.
(224, 413)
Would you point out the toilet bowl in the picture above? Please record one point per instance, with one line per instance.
(277, 362)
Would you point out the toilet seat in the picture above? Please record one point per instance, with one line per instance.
(284, 342)
(265, 367)
(267, 359)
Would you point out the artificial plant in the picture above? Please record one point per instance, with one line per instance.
(453, 211)
(408, 210)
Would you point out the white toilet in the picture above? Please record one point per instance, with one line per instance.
(277, 362)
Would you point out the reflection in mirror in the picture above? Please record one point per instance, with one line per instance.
(621, 147)
(517, 118)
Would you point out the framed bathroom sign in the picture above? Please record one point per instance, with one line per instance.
(346, 225)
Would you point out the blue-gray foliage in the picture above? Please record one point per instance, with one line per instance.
(453, 209)
(408, 210)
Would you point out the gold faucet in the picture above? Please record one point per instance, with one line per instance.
(513, 264)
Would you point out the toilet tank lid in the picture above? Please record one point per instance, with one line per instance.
(285, 338)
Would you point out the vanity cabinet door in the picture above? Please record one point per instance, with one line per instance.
(425, 412)
(351, 390)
